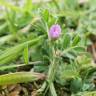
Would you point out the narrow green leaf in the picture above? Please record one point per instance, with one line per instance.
(66, 41)
(79, 49)
(6, 67)
(76, 40)
(12, 53)
(20, 77)
(46, 15)
(26, 55)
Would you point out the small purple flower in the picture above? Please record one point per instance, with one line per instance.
(55, 31)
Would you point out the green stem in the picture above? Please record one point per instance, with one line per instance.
(53, 65)
(52, 90)
(52, 70)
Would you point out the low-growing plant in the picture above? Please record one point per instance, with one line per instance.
(49, 44)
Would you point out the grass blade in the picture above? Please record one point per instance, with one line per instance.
(20, 77)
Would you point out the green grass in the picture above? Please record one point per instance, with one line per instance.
(64, 65)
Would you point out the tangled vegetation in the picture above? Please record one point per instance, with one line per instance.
(48, 48)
